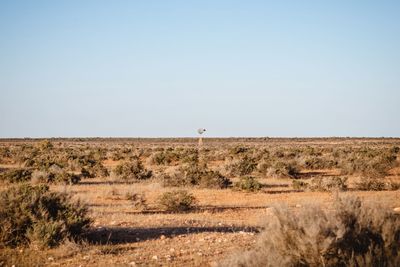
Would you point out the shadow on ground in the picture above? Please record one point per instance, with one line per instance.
(206, 208)
(123, 235)
(312, 174)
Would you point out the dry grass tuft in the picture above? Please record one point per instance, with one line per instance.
(354, 234)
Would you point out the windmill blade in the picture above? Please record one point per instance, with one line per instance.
(201, 130)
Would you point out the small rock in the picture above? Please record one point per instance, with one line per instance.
(50, 259)
(155, 257)
(132, 263)
(162, 237)
(171, 249)
(199, 253)
(396, 209)
(86, 257)
(298, 206)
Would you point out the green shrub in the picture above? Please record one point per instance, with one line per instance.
(34, 215)
(353, 234)
(248, 183)
(190, 157)
(244, 166)
(213, 179)
(284, 169)
(177, 201)
(163, 157)
(16, 175)
(132, 170)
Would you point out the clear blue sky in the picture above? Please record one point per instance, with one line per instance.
(166, 68)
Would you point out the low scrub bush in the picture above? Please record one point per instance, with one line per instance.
(322, 184)
(55, 177)
(177, 201)
(318, 163)
(16, 175)
(32, 215)
(369, 163)
(353, 234)
(243, 166)
(284, 169)
(248, 183)
(330, 183)
(299, 185)
(138, 200)
(195, 175)
(371, 184)
(132, 171)
(263, 166)
(163, 157)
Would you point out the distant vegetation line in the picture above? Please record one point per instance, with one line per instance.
(193, 139)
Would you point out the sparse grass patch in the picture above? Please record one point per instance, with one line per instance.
(138, 200)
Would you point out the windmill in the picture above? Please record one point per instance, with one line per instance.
(200, 131)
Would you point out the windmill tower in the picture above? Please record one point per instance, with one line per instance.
(200, 132)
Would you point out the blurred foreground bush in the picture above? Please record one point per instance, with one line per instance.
(354, 234)
(32, 215)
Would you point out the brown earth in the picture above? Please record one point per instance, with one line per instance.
(224, 221)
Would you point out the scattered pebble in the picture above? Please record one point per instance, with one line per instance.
(155, 257)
